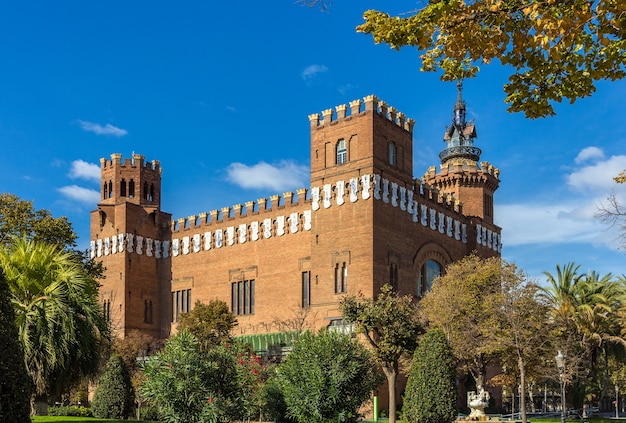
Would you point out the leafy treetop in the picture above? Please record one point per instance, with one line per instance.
(557, 49)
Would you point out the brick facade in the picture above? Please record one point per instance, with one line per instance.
(364, 222)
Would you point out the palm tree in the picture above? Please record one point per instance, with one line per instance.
(60, 323)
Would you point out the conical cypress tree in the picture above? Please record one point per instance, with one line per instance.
(15, 384)
(430, 395)
(114, 396)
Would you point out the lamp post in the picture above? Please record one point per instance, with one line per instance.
(560, 364)
(616, 402)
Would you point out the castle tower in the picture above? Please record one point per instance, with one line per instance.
(127, 232)
(460, 176)
(352, 149)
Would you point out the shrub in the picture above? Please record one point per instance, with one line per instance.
(71, 410)
(114, 396)
(189, 384)
(430, 395)
(327, 377)
(15, 385)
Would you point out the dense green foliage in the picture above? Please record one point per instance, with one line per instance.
(327, 377)
(390, 325)
(114, 396)
(60, 323)
(430, 395)
(14, 380)
(210, 323)
(70, 411)
(189, 384)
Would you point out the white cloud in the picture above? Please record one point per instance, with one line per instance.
(282, 176)
(80, 194)
(570, 218)
(311, 71)
(589, 153)
(598, 176)
(98, 129)
(83, 170)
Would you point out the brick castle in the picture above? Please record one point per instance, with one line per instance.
(287, 260)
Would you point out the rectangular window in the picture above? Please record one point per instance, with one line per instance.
(488, 205)
(181, 303)
(242, 297)
(306, 289)
(341, 278)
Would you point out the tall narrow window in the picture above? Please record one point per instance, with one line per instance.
(488, 205)
(110, 189)
(306, 289)
(123, 188)
(393, 154)
(131, 188)
(393, 276)
(429, 271)
(151, 196)
(145, 190)
(342, 152)
(105, 191)
(341, 278)
(242, 297)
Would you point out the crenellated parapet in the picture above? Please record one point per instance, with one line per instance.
(136, 161)
(241, 211)
(424, 204)
(359, 108)
(463, 174)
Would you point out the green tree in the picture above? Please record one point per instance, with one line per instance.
(60, 323)
(210, 323)
(327, 377)
(14, 381)
(430, 395)
(522, 325)
(189, 384)
(460, 304)
(19, 219)
(587, 309)
(114, 396)
(390, 325)
(556, 49)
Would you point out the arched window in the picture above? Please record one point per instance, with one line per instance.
(342, 152)
(110, 189)
(151, 196)
(131, 188)
(105, 191)
(123, 188)
(393, 157)
(429, 271)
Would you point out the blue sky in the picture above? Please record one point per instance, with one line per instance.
(220, 92)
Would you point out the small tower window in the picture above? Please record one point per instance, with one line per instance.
(151, 196)
(123, 188)
(342, 152)
(110, 189)
(393, 156)
(105, 191)
(145, 190)
(131, 188)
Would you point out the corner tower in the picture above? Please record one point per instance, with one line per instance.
(129, 220)
(460, 176)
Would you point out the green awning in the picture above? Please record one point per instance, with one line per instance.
(263, 342)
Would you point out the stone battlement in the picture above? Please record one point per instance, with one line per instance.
(372, 103)
(249, 208)
(137, 160)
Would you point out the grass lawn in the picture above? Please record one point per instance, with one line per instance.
(63, 419)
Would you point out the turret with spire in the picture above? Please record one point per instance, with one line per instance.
(461, 177)
(459, 137)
